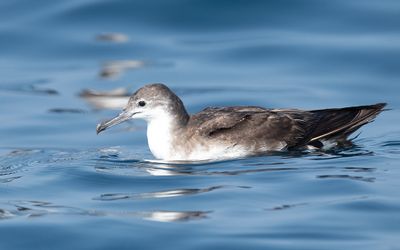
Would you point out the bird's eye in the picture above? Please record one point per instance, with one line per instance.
(142, 103)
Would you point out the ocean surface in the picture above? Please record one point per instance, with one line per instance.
(67, 65)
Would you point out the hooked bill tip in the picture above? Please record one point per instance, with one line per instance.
(100, 128)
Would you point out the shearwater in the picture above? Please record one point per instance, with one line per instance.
(234, 132)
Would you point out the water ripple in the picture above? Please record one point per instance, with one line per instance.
(134, 167)
(32, 209)
(274, 162)
(345, 176)
(159, 194)
(33, 87)
(17, 163)
(14, 163)
(391, 144)
(321, 202)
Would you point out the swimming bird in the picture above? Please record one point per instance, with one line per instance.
(235, 132)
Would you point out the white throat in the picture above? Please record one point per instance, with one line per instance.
(159, 136)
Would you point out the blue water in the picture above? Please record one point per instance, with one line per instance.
(64, 187)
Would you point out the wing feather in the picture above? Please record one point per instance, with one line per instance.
(252, 123)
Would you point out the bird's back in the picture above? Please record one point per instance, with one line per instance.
(263, 129)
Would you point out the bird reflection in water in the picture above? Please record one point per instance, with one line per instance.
(158, 194)
(34, 209)
(173, 216)
(162, 168)
(112, 99)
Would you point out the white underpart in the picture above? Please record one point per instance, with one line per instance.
(159, 130)
(215, 152)
(221, 152)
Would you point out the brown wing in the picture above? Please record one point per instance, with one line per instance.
(296, 128)
(254, 124)
(214, 119)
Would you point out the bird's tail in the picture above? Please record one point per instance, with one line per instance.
(338, 124)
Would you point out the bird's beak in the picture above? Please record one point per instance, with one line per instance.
(124, 116)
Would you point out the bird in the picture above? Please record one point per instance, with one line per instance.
(219, 133)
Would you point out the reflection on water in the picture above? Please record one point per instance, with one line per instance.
(317, 203)
(32, 209)
(113, 37)
(30, 87)
(114, 69)
(346, 176)
(152, 195)
(22, 208)
(66, 110)
(359, 169)
(173, 216)
(173, 170)
(112, 99)
(163, 169)
(391, 144)
(8, 179)
(118, 92)
(275, 162)
(286, 206)
(353, 151)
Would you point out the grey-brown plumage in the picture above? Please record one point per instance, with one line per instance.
(226, 132)
(296, 128)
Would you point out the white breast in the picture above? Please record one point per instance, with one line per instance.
(159, 137)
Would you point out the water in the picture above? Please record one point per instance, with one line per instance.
(64, 187)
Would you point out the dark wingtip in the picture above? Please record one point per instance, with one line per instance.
(377, 107)
(380, 105)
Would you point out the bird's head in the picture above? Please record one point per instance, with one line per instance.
(150, 102)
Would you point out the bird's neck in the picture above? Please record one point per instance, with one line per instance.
(163, 131)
